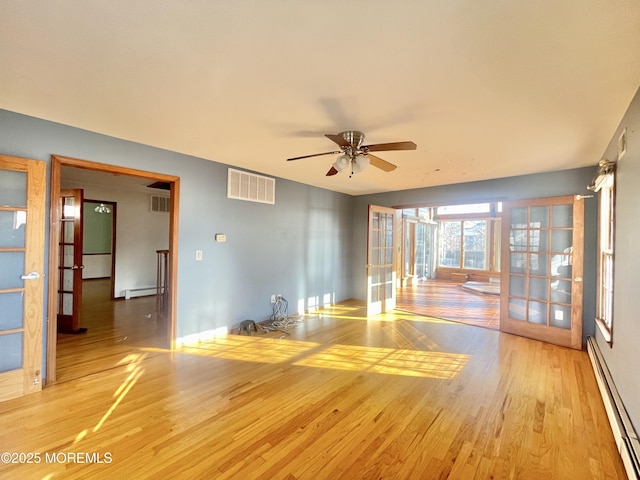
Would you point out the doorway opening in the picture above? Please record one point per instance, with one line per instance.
(111, 321)
(451, 262)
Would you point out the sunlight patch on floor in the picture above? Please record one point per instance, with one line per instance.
(250, 349)
(388, 361)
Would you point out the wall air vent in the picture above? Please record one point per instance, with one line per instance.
(160, 204)
(251, 187)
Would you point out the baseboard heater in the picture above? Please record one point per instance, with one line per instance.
(139, 292)
(623, 431)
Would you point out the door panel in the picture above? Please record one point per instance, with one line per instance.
(22, 218)
(541, 286)
(383, 254)
(70, 263)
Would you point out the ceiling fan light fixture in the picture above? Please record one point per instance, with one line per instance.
(360, 162)
(342, 162)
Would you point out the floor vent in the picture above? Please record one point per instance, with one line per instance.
(251, 187)
(623, 431)
(160, 204)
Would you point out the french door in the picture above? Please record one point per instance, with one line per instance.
(70, 262)
(22, 225)
(542, 263)
(383, 258)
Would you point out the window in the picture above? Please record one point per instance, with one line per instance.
(463, 244)
(604, 183)
(450, 244)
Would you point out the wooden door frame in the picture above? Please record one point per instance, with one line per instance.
(57, 162)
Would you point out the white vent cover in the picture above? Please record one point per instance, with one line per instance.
(160, 204)
(251, 187)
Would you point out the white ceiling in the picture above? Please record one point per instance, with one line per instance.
(487, 89)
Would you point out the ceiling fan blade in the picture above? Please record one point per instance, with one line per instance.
(386, 147)
(332, 171)
(381, 164)
(314, 155)
(339, 139)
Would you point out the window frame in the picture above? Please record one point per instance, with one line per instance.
(604, 185)
(461, 262)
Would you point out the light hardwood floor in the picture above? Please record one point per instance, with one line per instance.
(448, 300)
(395, 396)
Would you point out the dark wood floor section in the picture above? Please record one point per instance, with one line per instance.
(338, 396)
(448, 300)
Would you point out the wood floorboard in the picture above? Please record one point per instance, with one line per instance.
(448, 300)
(339, 396)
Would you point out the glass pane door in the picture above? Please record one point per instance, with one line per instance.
(22, 200)
(70, 263)
(542, 278)
(381, 263)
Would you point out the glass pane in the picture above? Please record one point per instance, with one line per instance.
(389, 290)
(13, 188)
(561, 316)
(538, 264)
(518, 286)
(538, 312)
(539, 217)
(68, 208)
(67, 280)
(538, 288)
(560, 266)
(67, 256)
(12, 225)
(562, 216)
(518, 240)
(561, 291)
(67, 304)
(517, 309)
(12, 269)
(539, 240)
(374, 220)
(561, 240)
(11, 308)
(519, 218)
(11, 348)
(518, 263)
(67, 232)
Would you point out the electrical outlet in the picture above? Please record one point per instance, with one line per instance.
(198, 255)
(273, 299)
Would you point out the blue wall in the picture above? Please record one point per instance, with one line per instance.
(623, 356)
(298, 247)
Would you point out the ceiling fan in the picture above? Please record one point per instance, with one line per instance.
(356, 155)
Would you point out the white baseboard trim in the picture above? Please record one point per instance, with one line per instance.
(625, 436)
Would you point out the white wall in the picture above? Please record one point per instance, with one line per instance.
(96, 266)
